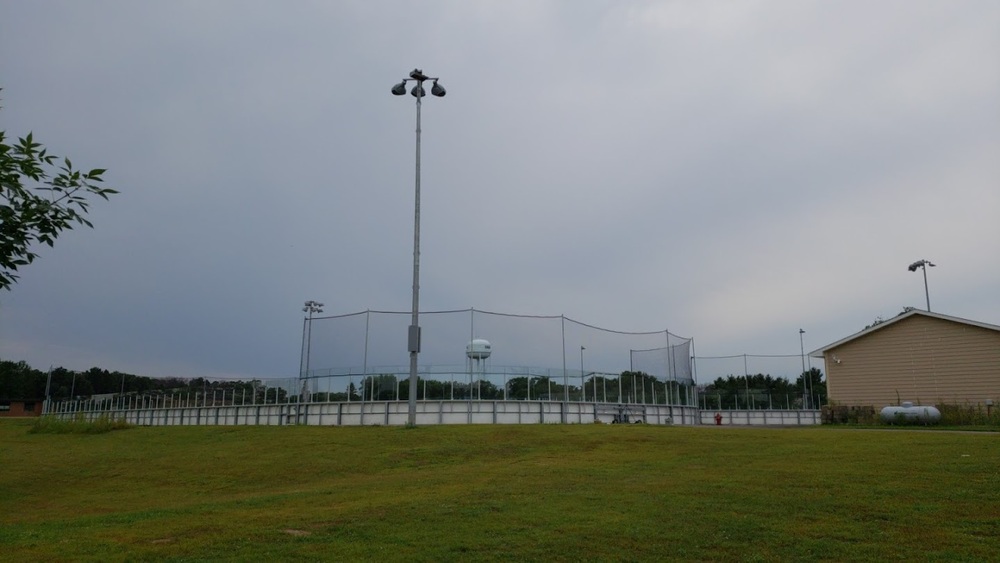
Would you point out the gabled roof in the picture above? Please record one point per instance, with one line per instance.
(819, 353)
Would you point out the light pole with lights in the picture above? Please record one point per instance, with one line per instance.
(413, 336)
(922, 264)
(309, 308)
(805, 377)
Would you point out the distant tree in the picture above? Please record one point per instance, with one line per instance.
(41, 196)
(517, 389)
(757, 391)
(430, 389)
(606, 388)
(633, 383)
(879, 320)
(380, 387)
(427, 389)
(175, 383)
(817, 386)
(101, 380)
(62, 381)
(19, 381)
(487, 391)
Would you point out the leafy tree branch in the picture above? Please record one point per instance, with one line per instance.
(41, 196)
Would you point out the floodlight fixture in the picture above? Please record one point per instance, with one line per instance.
(922, 264)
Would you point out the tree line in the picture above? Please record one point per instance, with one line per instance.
(628, 387)
(18, 380)
(762, 391)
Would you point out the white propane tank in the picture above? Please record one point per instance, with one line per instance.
(907, 413)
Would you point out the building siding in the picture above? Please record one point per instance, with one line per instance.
(922, 359)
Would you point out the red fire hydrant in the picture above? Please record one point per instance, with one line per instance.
(718, 419)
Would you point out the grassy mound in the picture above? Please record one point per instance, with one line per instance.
(540, 492)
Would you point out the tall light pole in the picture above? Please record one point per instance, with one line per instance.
(805, 386)
(309, 308)
(583, 384)
(922, 264)
(413, 336)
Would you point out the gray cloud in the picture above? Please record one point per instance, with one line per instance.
(730, 171)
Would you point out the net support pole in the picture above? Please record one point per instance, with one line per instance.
(364, 359)
(563, 418)
(670, 365)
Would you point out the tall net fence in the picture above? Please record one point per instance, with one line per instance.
(601, 366)
(670, 363)
(754, 381)
(364, 356)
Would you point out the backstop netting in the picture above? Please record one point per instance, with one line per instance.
(745, 376)
(364, 356)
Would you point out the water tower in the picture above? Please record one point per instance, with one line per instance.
(477, 352)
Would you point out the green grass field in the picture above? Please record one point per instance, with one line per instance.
(574, 492)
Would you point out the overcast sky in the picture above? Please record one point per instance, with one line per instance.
(730, 171)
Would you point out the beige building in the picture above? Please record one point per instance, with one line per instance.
(918, 356)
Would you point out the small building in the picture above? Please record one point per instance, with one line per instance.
(919, 356)
(21, 407)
